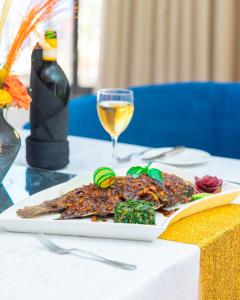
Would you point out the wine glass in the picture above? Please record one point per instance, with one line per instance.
(115, 110)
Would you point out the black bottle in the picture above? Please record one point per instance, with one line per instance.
(51, 73)
(47, 146)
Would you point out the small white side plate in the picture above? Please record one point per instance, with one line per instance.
(187, 157)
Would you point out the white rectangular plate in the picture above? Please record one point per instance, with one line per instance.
(85, 227)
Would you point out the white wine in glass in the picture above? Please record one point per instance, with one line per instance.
(115, 110)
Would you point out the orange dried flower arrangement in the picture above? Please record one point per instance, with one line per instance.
(12, 90)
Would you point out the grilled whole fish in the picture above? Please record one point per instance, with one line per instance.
(91, 200)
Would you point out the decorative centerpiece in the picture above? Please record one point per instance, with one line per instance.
(12, 92)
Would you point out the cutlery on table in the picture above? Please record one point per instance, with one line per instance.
(172, 151)
(52, 246)
(131, 155)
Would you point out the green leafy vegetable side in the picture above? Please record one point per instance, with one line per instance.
(153, 173)
(135, 212)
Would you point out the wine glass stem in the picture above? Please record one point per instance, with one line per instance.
(114, 155)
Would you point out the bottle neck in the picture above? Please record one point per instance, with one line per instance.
(50, 54)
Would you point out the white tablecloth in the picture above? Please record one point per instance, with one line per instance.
(166, 270)
(88, 154)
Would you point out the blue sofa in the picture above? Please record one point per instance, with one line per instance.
(204, 115)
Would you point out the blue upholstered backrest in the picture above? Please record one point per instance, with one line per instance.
(202, 115)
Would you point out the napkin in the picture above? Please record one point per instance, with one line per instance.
(47, 146)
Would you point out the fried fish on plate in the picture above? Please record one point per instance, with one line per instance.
(91, 200)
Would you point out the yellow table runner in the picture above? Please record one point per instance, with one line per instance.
(217, 233)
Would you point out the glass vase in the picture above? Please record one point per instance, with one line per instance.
(10, 143)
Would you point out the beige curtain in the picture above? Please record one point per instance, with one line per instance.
(151, 41)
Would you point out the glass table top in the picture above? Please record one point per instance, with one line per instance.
(21, 182)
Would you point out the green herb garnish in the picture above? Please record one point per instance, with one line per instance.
(135, 212)
(195, 197)
(153, 173)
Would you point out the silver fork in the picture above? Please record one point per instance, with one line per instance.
(50, 245)
(131, 155)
